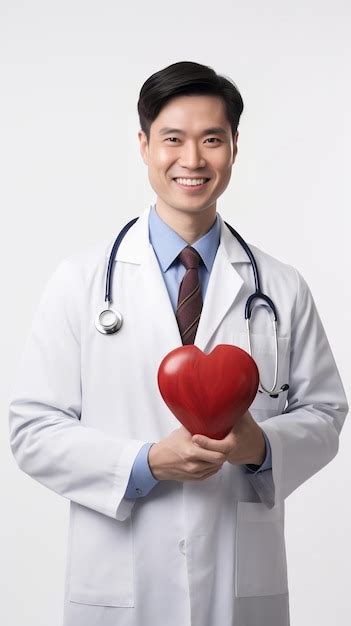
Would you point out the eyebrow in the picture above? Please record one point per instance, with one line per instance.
(215, 130)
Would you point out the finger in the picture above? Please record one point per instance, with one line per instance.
(206, 470)
(210, 465)
(210, 473)
(217, 445)
(208, 456)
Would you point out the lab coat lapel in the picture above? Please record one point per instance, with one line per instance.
(223, 286)
(158, 303)
(155, 304)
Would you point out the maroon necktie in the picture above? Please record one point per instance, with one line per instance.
(189, 297)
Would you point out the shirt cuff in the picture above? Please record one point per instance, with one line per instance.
(141, 479)
(267, 463)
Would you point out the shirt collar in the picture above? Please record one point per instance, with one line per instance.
(167, 244)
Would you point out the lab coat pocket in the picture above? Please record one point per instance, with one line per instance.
(100, 559)
(261, 568)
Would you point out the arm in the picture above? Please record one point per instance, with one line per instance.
(47, 439)
(305, 437)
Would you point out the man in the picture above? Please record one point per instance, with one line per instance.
(167, 526)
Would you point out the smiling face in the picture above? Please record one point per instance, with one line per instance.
(190, 138)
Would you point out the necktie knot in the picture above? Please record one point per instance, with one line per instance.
(190, 258)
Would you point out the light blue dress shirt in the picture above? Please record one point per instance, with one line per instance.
(167, 245)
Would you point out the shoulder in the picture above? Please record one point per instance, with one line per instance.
(87, 260)
(269, 261)
(283, 282)
(274, 270)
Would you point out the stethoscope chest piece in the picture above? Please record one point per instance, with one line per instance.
(108, 321)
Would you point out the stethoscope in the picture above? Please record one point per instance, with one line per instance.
(109, 321)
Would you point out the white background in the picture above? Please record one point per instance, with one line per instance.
(72, 174)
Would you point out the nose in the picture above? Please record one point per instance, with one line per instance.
(191, 156)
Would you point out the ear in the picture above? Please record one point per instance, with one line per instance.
(144, 146)
(235, 145)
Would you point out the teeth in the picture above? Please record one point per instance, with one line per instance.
(191, 181)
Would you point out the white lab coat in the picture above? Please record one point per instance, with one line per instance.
(192, 553)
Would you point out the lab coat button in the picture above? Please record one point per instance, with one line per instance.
(139, 491)
(182, 546)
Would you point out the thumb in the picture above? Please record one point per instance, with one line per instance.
(208, 443)
(218, 445)
(200, 440)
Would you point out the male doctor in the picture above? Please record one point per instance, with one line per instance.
(167, 528)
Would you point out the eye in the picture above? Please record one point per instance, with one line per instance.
(169, 138)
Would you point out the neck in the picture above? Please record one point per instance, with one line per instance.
(188, 225)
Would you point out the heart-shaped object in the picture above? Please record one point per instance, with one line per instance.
(208, 393)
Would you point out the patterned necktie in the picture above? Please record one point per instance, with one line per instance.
(189, 297)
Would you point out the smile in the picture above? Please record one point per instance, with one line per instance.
(191, 184)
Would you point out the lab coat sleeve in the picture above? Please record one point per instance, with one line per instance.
(305, 437)
(47, 439)
(267, 463)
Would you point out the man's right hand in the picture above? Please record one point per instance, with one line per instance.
(176, 457)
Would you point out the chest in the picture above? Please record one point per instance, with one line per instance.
(119, 372)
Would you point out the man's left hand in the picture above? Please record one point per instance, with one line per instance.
(244, 444)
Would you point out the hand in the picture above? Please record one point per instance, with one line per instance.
(244, 444)
(176, 457)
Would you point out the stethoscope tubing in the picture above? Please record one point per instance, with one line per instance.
(115, 319)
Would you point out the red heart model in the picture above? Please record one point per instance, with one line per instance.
(208, 393)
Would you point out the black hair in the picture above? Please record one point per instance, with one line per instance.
(186, 77)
